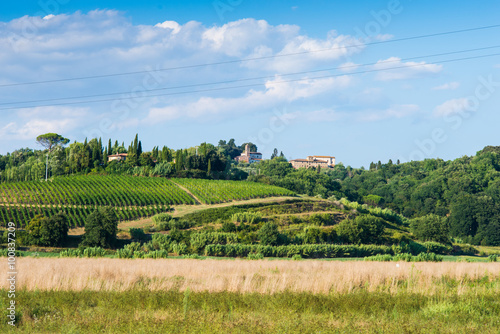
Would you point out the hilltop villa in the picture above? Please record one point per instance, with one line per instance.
(119, 157)
(323, 161)
(248, 156)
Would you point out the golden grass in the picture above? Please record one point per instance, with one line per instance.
(245, 276)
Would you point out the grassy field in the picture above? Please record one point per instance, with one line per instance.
(235, 296)
(245, 276)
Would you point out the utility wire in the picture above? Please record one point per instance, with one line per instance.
(258, 84)
(254, 58)
(254, 78)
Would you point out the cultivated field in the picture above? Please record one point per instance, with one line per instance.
(132, 197)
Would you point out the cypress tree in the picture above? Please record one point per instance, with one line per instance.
(139, 149)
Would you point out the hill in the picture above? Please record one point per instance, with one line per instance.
(133, 197)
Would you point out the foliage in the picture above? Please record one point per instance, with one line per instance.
(430, 228)
(43, 231)
(305, 251)
(201, 239)
(84, 252)
(100, 228)
(361, 230)
(269, 234)
(407, 257)
(137, 234)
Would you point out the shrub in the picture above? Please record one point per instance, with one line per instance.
(85, 252)
(161, 218)
(43, 231)
(430, 228)
(466, 249)
(296, 257)
(100, 228)
(305, 251)
(268, 234)
(435, 247)
(256, 256)
(492, 258)
(422, 257)
(199, 240)
(361, 230)
(247, 217)
(138, 234)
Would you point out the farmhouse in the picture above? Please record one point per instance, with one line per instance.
(323, 161)
(248, 156)
(118, 157)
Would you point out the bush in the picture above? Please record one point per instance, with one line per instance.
(247, 217)
(161, 218)
(361, 230)
(257, 256)
(492, 258)
(85, 252)
(100, 228)
(465, 249)
(268, 234)
(435, 247)
(43, 231)
(407, 257)
(199, 240)
(430, 228)
(137, 234)
(305, 251)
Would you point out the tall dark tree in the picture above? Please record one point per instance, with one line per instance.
(275, 154)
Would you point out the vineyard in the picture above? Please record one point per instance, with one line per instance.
(132, 197)
(219, 191)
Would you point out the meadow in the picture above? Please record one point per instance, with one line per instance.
(261, 296)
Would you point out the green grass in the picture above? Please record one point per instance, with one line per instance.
(476, 311)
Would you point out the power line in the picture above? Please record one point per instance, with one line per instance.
(250, 79)
(254, 85)
(254, 58)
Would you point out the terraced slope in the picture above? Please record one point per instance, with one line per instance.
(133, 197)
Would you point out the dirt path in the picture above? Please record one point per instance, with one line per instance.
(196, 199)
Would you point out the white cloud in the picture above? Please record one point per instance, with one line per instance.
(403, 70)
(451, 107)
(396, 111)
(447, 86)
(35, 121)
(276, 91)
(172, 25)
(348, 67)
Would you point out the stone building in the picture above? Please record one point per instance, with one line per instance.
(248, 156)
(323, 161)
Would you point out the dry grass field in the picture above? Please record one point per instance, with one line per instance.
(246, 276)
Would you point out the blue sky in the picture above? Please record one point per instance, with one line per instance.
(358, 110)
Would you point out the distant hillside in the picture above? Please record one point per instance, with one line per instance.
(466, 190)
